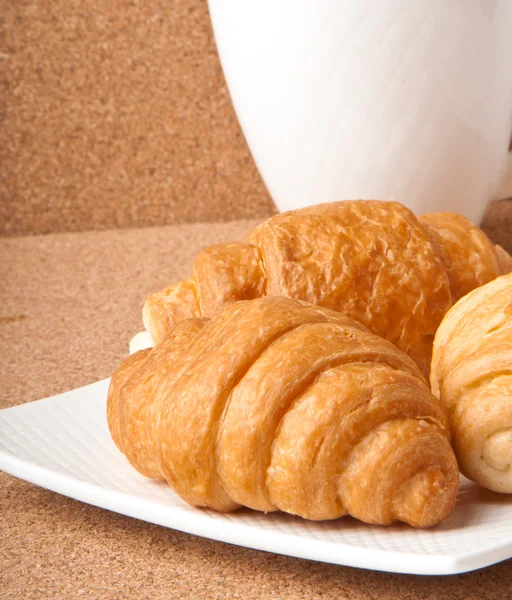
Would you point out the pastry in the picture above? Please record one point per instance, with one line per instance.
(373, 261)
(276, 404)
(472, 375)
(469, 257)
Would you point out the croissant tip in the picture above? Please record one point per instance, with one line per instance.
(426, 499)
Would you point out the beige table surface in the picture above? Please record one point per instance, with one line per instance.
(68, 306)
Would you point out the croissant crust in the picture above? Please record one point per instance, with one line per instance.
(275, 404)
(373, 261)
(472, 374)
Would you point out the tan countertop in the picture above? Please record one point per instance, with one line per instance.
(68, 306)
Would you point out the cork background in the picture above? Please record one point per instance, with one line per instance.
(116, 114)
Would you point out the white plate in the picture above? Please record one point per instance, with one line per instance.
(63, 444)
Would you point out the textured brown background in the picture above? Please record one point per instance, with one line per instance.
(116, 114)
(70, 303)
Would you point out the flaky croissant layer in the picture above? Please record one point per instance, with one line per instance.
(275, 404)
(472, 374)
(373, 261)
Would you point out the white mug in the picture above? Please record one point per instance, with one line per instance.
(389, 99)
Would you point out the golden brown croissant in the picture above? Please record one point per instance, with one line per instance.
(275, 404)
(373, 261)
(472, 374)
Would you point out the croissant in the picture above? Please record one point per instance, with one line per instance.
(472, 374)
(275, 404)
(373, 261)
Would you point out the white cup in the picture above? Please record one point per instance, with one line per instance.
(392, 99)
